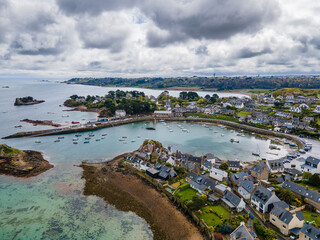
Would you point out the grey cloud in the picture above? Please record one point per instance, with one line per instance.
(209, 19)
(248, 53)
(94, 7)
(202, 50)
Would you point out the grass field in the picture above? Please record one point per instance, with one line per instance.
(311, 216)
(244, 114)
(212, 219)
(186, 195)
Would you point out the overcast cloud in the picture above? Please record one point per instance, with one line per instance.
(130, 38)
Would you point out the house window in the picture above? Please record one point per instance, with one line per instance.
(273, 219)
(283, 226)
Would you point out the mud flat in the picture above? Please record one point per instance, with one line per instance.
(19, 163)
(120, 187)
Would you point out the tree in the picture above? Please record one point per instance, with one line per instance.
(269, 234)
(224, 166)
(196, 203)
(285, 195)
(306, 176)
(225, 229)
(314, 180)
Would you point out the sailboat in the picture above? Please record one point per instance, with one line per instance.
(257, 153)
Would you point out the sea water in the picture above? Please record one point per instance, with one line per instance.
(52, 205)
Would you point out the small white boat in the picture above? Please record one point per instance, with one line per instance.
(97, 140)
(78, 135)
(138, 136)
(124, 137)
(170, 130)
(124, 142)
(104, 134)
(75, 142)
(103, 138)
(133, 140)
(222, 135)
(86, 142)
(37, 141)
(121, 139)
(87, 138)
(91, 135)
(75, 139)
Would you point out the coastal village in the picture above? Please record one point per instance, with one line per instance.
(235, 199)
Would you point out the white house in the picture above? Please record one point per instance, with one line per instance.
(275, 166)
(304, 106)
(120, 113)
(295, 109)
(262, 198)
(246, 188)
(218, 174)
(233, 201)
(317, 110)
(239, 105)
(206, 165)
(311, 165)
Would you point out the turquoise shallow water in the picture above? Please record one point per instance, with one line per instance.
(52, 206)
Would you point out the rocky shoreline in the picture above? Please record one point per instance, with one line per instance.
(120, 187)
(42, 123)
(19, 163)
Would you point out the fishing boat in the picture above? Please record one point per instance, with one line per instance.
(103, 138)
(234, 140)
(170, 130)
(222, 135)
(133, 140)
(138, 136)
(104, 134)
(124, 137)
(60, 137)
(125, 142)
(121, 139)
(75, 142)
(75, 139)
(37, 141)
(97, 140)
(91, 135)
(78, 135)
(19, 126)
(86, 142)
(87, 138)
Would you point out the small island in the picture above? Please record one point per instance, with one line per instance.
(20, 163)
(27, 101)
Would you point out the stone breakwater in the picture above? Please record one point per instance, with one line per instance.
(150, 118)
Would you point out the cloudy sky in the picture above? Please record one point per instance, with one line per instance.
(130, 38)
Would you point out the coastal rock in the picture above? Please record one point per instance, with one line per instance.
(27, 101)
(19, 163)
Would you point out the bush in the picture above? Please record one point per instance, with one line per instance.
(225, 229)
(184, 186)
(218, 236)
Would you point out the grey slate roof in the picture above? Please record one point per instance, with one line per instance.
(300, 216)
(261, 195)
(201, 182)
(247, 185)
(232, 198)
(311, 231)
(258, 168)
(310, 194)
(280, 204)
(313, 160)
(207, 164)
(239, 176)
(282, 214)
(234, 164)
(275, 164)
(242, 232)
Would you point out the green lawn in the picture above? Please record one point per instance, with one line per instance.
(266, 107)
(244, 114)
(211, 219)
(186, 195)
(311, 216)
(317, 189)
